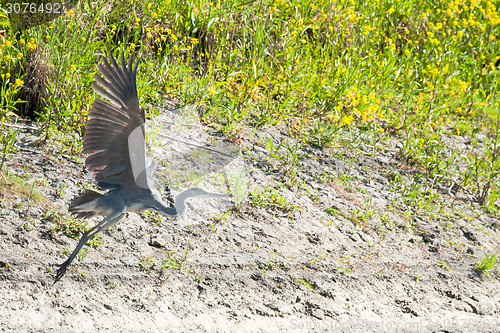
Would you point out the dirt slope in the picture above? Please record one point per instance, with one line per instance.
(347, 258)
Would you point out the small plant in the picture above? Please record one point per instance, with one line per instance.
(305, 283)
(486, 265)
(416, 277)
(485, 165)
(70, 226)
(82, 254)
(61, 190)
(270, 198)
(290, 157)
(113, 285)
(11, 185)
(240, 188)
(332, 211)
(444, 265)
(7, 141)
(171, 262)
(146, 263)
(346, 265)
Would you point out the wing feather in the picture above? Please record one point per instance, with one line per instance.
(111, 123)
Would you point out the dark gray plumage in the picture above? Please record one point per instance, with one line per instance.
(115, 142)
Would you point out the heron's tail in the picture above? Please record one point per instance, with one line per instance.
(85, 205)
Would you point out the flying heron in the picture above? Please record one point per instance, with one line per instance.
(115, 143)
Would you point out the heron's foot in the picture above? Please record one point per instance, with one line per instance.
(62, 269)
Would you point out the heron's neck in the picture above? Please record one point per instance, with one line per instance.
(170, 211)
(179, 206)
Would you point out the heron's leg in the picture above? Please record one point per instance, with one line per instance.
(105, 223)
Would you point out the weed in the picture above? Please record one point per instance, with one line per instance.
(239, 188)
(82, 254)
(70, 226)
(113, 285)
(486, 265)
(7, 141)
(171, 262)
(271, 199)
(305, 283)
(146, 263)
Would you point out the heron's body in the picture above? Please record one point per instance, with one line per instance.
(115, 142)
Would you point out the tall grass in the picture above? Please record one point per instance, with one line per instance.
(420, 71)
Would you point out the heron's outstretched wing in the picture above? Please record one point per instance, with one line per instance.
(115, 134)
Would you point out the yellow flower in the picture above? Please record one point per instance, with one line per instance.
(8, 42)
(194, 41)
(84, 39)
(7, 75)
(137, 20)
(20, 55)
(148, 34)
(347, 120)
(132, 45)
(22, 41)
(390, 11)
(19, 82)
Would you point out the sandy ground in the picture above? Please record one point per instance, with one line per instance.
(322, 267)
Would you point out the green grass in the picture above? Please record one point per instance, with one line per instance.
(169, 262)
(305, 283)
(329, 71)
(11, 184)
(487, 264)
(70, 226)
(270, 199)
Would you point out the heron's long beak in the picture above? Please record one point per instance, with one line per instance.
(219, 195)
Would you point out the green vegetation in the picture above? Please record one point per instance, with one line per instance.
(70, 226)
(271, 199)
(11, 184)
(169, 262)
(305, 283)
(330, 72)
(486, 265)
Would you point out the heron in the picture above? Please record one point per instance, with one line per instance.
(115, 142)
